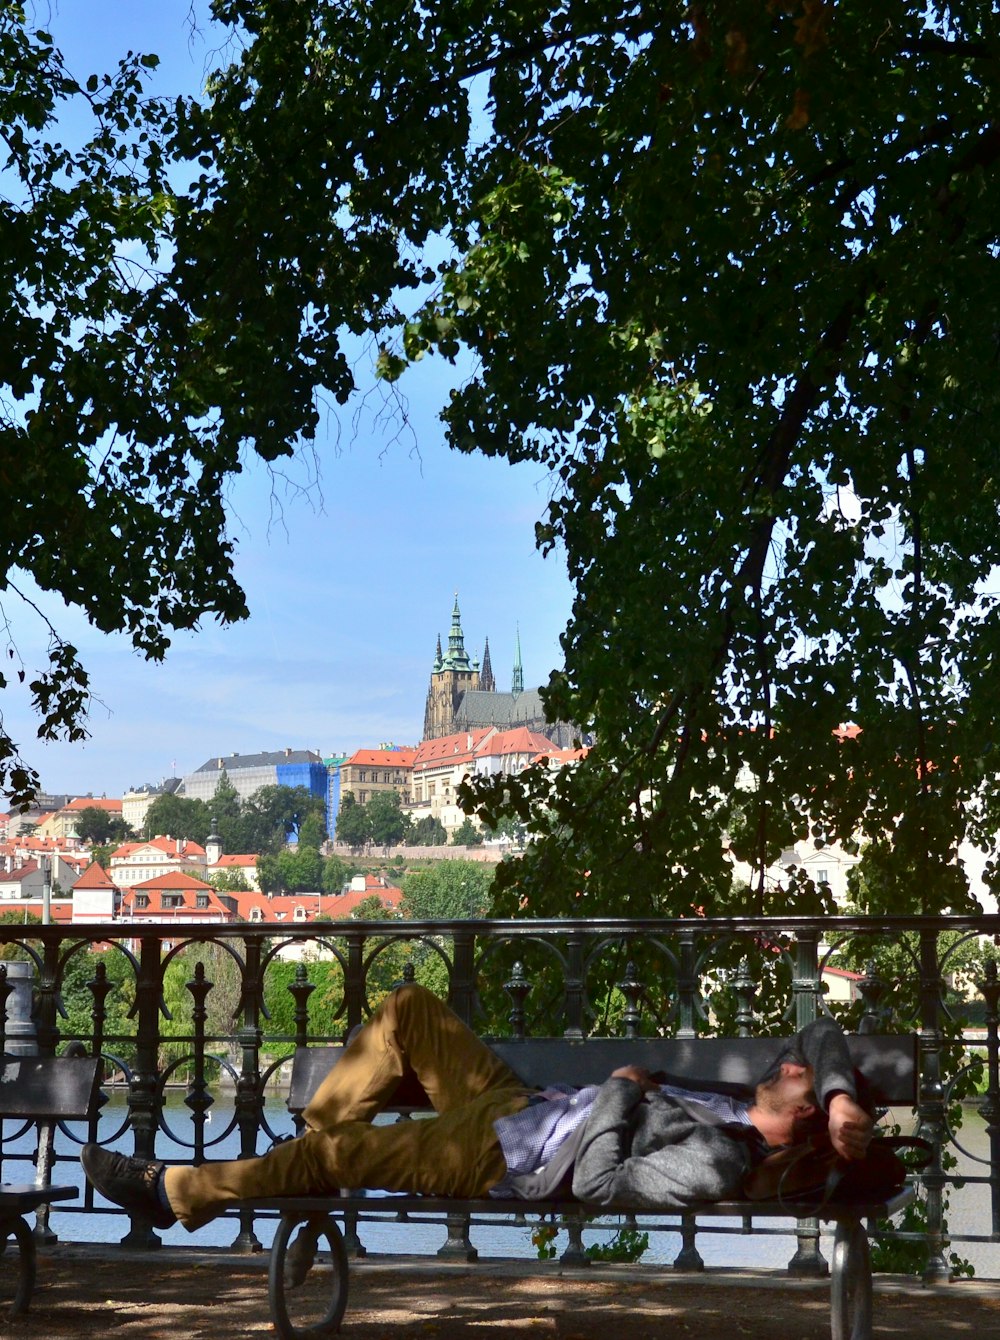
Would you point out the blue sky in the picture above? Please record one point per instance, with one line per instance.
(348, 582)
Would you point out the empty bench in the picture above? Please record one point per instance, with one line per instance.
(316, 1308)
(42, 1090)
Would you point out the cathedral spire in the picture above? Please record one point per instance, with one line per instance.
(517, 682)
(486, 680)
(437, 657)
(457, 658)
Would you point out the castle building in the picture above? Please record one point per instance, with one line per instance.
(463, 695)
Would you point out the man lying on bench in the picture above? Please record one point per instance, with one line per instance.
(631, 1142)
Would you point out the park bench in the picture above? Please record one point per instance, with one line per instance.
(38, 1091)
(315, 1309)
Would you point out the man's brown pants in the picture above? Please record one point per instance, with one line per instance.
(454, 1153)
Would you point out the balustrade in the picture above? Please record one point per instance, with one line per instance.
(220, 1010)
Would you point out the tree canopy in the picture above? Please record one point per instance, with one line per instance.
(448, 890)
(95, 825)
(261, 824)
(723, 270)
(354, 824)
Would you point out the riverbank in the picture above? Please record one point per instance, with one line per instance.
(214, 1295)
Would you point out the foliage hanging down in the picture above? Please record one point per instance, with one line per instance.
(140, 366)
(729, 271)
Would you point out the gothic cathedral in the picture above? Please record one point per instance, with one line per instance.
(463, 695)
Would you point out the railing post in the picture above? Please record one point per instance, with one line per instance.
(462, 984)
(249, 1100)
(517, 987)
(989, 1108)
(5, 989)
(631, 988)
(872, 989)
(744, 989)
(808, 1261)
(806, 984)
(573, 987)
(354, 982)
(143, 1096)
(198, 1098)
(688, 987)
(17, 1029)
(47, 1031)
(301, 989)
(99, 988)
(45, 1007)
(931, 1106)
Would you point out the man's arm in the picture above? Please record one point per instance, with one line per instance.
(822, 1046)
(682, 1161)
(850, 1127)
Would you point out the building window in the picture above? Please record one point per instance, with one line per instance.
(823, 876)
(300, 913)
(141, 901)
(385, 776)
(202, 900)
(362, 797)
(362, 776)
(256, 914)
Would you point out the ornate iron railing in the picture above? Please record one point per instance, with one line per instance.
(219, 1009)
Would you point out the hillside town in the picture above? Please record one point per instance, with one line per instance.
(373, 814)
(60, 863)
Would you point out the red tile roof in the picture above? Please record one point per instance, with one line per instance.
(56, 844)
(165, 844)
(89, 803)
(153, 891)
(280, 907)
(381, 758)
(485, 743)
(94, 877)
(450, 748)
(520, 740)
(174, 881)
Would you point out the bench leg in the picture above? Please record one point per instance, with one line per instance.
(689, 1257)
(808, 1261)
(851, 1283)
(575, 1253)
(458, 1245)
(17, 1227)
(312, 1307)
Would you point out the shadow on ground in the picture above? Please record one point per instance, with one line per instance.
(113, 1294)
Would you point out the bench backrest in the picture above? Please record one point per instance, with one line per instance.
(48, 1087)
(888, 1061)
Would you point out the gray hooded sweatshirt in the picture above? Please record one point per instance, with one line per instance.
(647, 1151)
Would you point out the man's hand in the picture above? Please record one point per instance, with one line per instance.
(638, 1075)
(850, 1127)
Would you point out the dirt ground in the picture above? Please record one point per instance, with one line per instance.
(113, 1294)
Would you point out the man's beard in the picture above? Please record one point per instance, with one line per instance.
(803, 1128)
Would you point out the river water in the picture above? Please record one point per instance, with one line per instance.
(968, 1213)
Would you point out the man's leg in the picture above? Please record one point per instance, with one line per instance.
(455, 1154)
(411, 1031)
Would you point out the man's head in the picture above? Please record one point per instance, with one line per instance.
(785, 1108)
